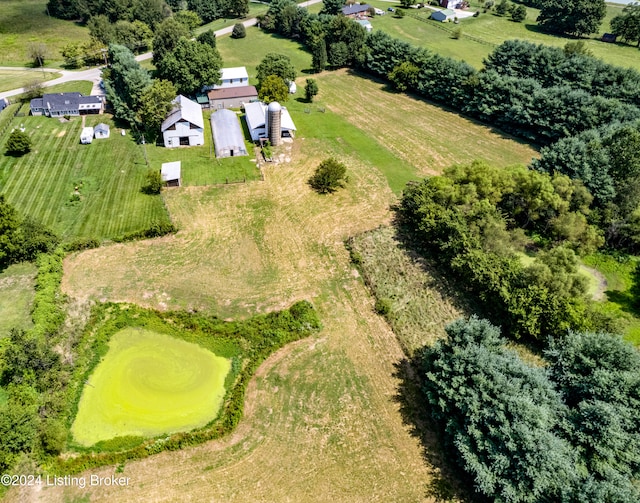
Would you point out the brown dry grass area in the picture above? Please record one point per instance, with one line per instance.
(425, 135)
(322, 421)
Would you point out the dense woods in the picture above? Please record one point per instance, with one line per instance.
(475, 219)
(566, 433)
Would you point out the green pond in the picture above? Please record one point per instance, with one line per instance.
(149, 384)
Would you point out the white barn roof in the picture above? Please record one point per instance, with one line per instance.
(237, 72)
(227, 134)
(170, 171)
(184, 109)
(256, 116)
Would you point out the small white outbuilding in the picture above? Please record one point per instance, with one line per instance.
(170, 174)
(86, 135)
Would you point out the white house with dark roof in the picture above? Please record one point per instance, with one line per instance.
(356, 10)
(61, 104)
(232, 77)
(185, 124)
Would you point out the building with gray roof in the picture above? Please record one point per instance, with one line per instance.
(61, 104)
(227, 134)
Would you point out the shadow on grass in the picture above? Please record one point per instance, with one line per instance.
(448, 482)
(628, 300)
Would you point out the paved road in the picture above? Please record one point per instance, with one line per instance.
(93, 74)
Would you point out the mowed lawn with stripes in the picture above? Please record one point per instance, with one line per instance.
(79, 190)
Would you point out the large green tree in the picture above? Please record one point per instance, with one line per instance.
(190, 66)
(627, 24)
(166, 38)
(572, 17)
(125, 82)
(155, 105)
(273, 88)
(276, 64)
(19, 143)
(9, 225)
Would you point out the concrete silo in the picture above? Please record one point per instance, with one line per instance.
(274, 114)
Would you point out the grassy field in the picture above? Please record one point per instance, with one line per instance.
(12, 79)
(249, 51)
(482, 34)
(24, 21)
(619, 274)
(261, 246)
(108, 175)
(17, 284)
(420, 298)
(148, 384)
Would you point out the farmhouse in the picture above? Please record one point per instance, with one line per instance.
(227, 134)
(86, 135)
(233, 77)
(232, 97)
(443, 15)
(170, 174)
(185, 125)
(356, 10)
(273, 122)
(101, 131)
(61, 104)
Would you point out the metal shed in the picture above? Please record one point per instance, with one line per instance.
(170, 174)
(227, 134)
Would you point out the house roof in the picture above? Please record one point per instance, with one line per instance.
(237, 72)
(184, 109)
(63, 101)
(86, 132)
(170, 171)
(233, 92)
(348, 10)
(227, 133)
(101, 128)
(446, 12)
(256, 114)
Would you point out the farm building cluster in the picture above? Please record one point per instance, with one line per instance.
(184, 126)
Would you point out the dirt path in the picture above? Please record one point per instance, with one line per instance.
(598, 294)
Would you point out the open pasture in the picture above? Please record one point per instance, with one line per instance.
(79, 190)
(148, 384)
(17, 284)
(424, 135)
(24, 21)
(12, 79)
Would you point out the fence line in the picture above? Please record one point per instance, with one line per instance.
(441, 26)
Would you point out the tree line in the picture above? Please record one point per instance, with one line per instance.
(149, 12)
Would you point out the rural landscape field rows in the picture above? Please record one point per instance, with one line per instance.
(280, 344)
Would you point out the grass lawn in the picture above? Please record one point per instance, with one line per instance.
(482, 34)
(249, 51)
(108, 174)
(255, 9)
(24, 21)
(17, 284)
(148, 384)
(619, 273)
(199, 164)
(12, 79)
